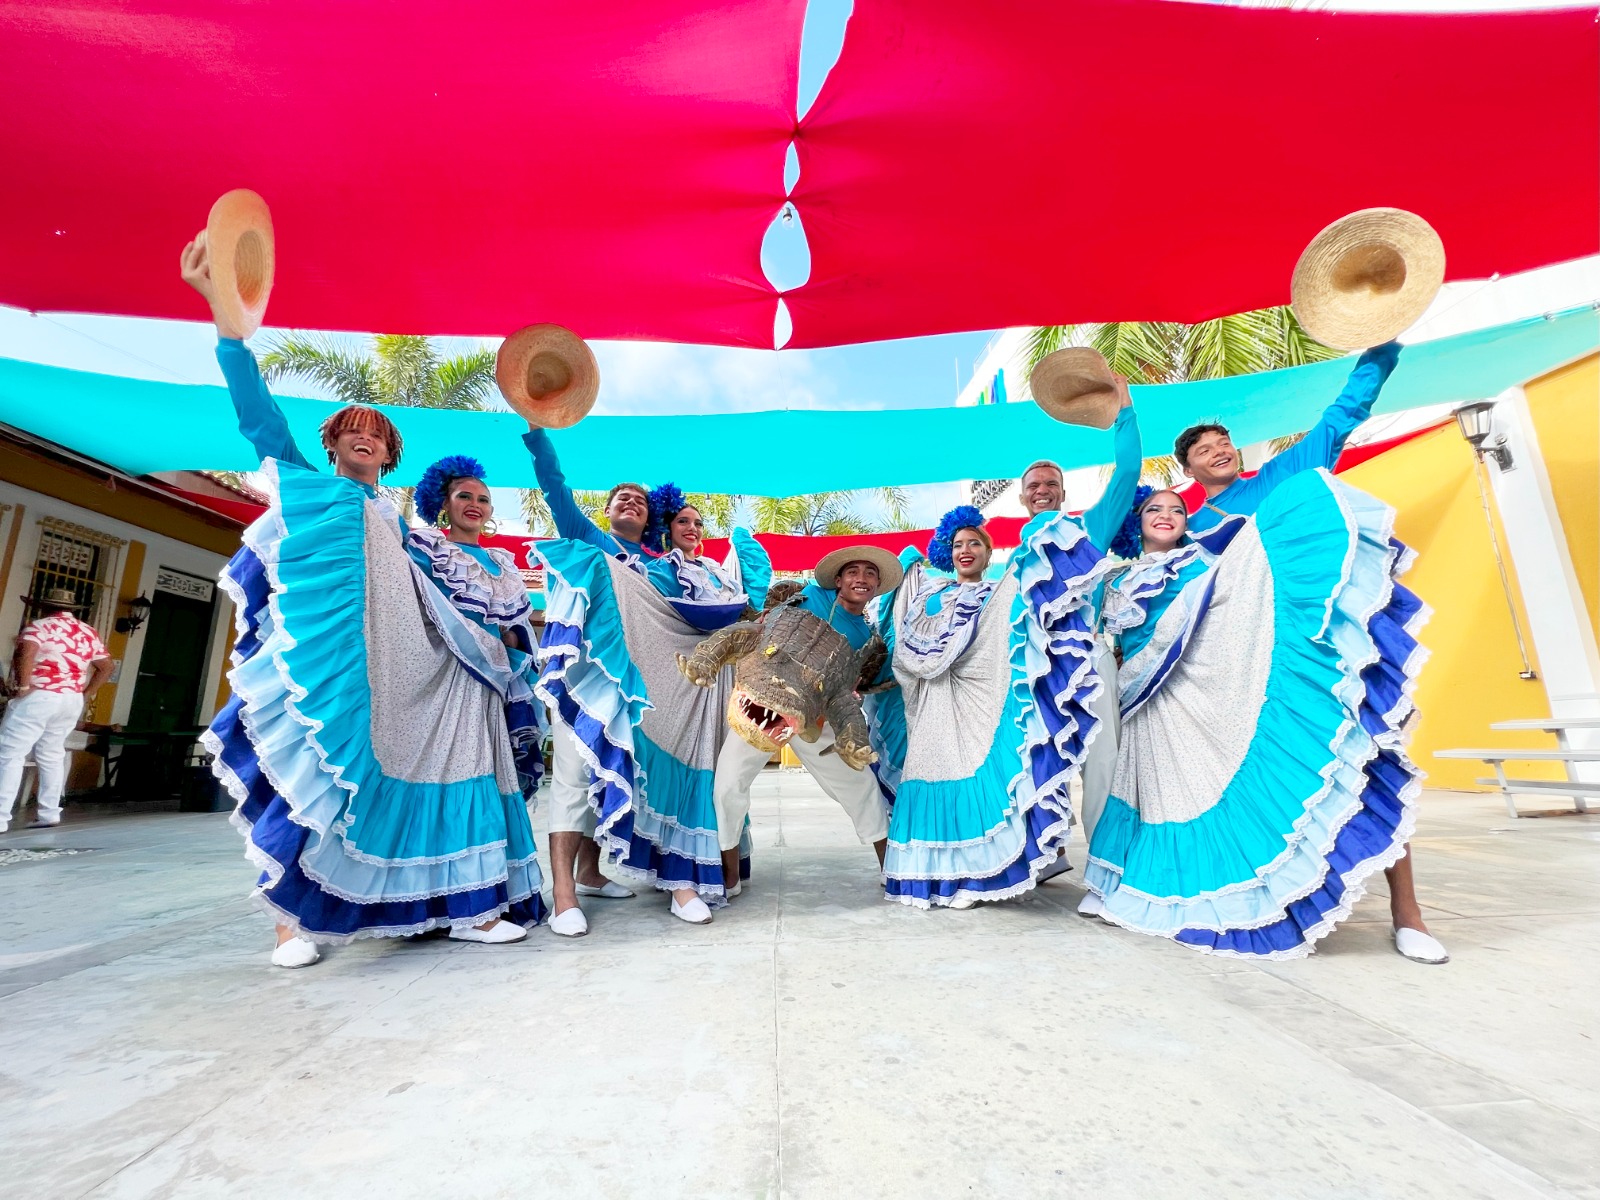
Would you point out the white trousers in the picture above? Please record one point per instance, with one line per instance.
(39, 722)
(1100, 764)
(739, 763)
(569, 785)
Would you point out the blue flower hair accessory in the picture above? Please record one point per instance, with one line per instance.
(436, 481)
(665, 502)
(963, 516)
(1129, 541)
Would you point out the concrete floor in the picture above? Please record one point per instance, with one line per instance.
(814, 1041)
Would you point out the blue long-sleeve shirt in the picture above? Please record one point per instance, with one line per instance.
(1105, 516)
(571, 521)
(260, 419)
(1319, 448)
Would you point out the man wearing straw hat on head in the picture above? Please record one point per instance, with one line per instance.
(59, 665)
(844, 583)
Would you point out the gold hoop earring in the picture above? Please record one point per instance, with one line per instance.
(444, 520)
(491, 527)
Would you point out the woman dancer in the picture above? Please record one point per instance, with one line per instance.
(485, 586)
(996, 678)
(354, 745)
(614, 630)
(1267, 673)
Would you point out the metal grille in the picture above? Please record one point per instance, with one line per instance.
(83, 561)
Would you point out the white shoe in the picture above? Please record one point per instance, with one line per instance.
(695, 911)
(1420, 947)
(498, 934)
(43, 824)
(609, 890)
(961, 902)
(1091, 905)
(734, 890)
(571, 923)
(1060, 867)
(296, 952)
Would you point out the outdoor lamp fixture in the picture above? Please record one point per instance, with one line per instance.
(1476, 421)
(138, 610)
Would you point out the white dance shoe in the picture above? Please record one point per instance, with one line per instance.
(296, 952)
(1420, 947)
(571, 923)
(960, 903)
(695, 911)
(735, 889)
(501, 933)
(609, 890)
(1090, 905)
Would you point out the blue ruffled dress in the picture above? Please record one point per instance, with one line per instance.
(1262, 775)
(608, 671)
(996, 681)
(485, 586)
(365, 744)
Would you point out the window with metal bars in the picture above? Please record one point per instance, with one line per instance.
(82, 561)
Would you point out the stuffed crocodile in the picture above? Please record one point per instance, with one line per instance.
(792, 672)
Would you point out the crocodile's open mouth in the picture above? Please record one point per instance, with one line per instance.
(764, 728)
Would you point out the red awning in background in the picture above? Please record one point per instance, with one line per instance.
(971, 166)
(432, 167)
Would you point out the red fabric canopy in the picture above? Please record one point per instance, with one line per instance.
(968, 166)
(432, 167)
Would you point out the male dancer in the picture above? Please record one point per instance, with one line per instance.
(1043, 491)
(1207, 454)
(574, 854)
(846, 581)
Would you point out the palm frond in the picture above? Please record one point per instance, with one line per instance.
(719, 510)
(462, 382)
(1045, 340)
(404, 365)
(536, 512)
(1144, 351)
(1279, 444)
(323, 359)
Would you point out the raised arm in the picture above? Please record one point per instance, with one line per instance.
(1104, 518)
(569, 518)
(1323, 445)
(261, 421)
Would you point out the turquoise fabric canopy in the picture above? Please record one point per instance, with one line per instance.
(142, 426)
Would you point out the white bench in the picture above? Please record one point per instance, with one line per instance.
(1579, 791)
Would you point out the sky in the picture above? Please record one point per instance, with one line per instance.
(652, 376)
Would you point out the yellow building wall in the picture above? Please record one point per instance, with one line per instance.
(1471, 678)
(1566, 413)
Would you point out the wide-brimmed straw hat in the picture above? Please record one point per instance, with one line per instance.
(1367, 278)
(890, 572)
(240, 245)
(548, 374)
(55, 600)
(1076, 385)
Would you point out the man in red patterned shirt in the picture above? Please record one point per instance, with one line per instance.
(59, 665)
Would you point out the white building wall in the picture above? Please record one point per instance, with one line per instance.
(160, 551)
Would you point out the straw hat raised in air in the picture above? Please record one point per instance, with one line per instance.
(240, 246)
(1076, 385)
(1367, 278)
(548, 374)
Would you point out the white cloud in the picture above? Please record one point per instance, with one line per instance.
(644, 378)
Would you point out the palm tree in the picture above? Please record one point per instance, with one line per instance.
(829, 513)
(1266, 339)
(401, 369)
